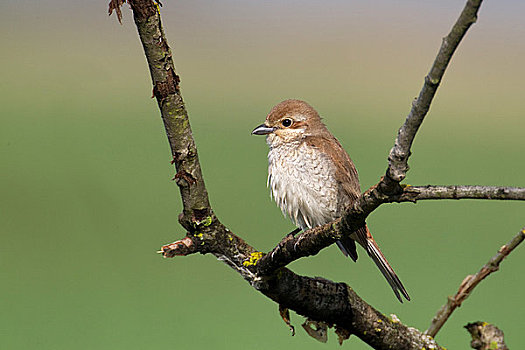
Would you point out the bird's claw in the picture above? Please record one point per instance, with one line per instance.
(297, 243)
(275, 251)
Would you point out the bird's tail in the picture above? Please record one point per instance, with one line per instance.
(375, 253)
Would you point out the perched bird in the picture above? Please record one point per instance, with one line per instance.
(313, 180)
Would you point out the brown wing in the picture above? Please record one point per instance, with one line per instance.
(347, 177)
(348, 182)
(346, 173)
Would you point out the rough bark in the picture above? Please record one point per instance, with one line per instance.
(486, 336)
(334, 304)
(317, 299)
(173, 112)
(312, 241)
(415, 193)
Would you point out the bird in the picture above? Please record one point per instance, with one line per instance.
(313, 180)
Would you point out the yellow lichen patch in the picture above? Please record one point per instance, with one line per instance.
(158, 5)
(254, 257)
(207, 221)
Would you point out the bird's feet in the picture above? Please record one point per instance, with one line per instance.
(289, 236)
(297, 243)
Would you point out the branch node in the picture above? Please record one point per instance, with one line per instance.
(184, 175)
(162, 89)
(143, 9)
(486, 336)
(201, 218)
(434, 82)
(179, 248)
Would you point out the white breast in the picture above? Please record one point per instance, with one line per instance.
(303, 184)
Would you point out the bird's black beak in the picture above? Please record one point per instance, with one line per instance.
(262, 130)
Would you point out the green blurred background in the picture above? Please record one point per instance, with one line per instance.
(85, 191)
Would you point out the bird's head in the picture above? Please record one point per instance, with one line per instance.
(288, 122)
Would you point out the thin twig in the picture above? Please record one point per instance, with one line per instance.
(470, 282)
(415, 193)
(398, 158)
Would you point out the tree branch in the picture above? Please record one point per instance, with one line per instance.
(470, 282)
(398, 158)
(312, 241)
(316, 298)
(173, 112)
(415, 193)
(389, 186)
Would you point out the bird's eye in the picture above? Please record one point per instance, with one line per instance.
(286, 122)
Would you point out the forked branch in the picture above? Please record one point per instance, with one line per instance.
(316, 298)
(389, 186)
(312, 241)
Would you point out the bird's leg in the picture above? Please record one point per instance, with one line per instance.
(294, 232)
(287, 237)
(299, 240)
